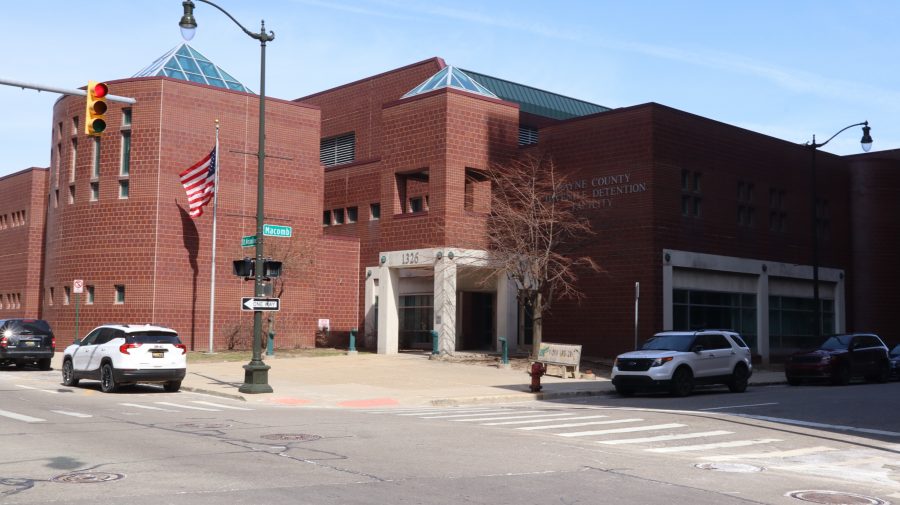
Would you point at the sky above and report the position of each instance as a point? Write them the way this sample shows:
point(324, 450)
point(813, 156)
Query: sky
point(786, 69)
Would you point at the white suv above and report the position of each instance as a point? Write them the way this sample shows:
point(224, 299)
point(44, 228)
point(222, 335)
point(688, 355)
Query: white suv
point(677, 360)
point(120, 354)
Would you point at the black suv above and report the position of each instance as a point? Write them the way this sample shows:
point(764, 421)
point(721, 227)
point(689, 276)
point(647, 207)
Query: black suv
point(24, 341)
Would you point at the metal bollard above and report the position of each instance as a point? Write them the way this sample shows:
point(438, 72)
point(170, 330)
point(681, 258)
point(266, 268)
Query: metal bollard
point(434, 342)
point(352, 349)
point(504, 348)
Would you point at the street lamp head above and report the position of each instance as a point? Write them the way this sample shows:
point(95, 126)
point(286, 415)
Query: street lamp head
point(188, 24)
point(866, 141)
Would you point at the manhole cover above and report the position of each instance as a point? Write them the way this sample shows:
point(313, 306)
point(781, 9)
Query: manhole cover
point(729, 467)
point(295, 437)
point(87, 477)
point(835, 498)
point(202, 426)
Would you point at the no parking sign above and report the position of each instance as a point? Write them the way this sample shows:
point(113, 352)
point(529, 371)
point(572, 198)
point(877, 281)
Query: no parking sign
point(78, 286)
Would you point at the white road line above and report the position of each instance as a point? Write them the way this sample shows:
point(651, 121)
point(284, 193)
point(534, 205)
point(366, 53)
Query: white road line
point(491, 412)
point(721, 445)
point(440, 412)
point(776, 454)
point(21, 417)
point(666, 438)
point(211, 404)
point(185, 406)
point(73, 414)
point(148, 407)
point(518, 417)
point(810, 424)
point(741, 406)
point(653, 427)
point(533, 421)
point(575, 425)
point(37, 389)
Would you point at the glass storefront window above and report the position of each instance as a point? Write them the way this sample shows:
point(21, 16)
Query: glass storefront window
point(416, 313)
point(700, 310)
point(792, 323)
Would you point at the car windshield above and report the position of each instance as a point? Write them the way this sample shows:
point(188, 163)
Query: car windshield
point(676, 342)
point(840, 342)
point(26, 327)
point(154, 337)
point(896, 350)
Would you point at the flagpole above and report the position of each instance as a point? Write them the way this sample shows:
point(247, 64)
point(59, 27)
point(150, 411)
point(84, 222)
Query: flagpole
point(212, 283)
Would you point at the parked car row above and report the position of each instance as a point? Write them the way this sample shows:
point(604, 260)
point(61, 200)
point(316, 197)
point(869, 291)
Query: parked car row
point(676, 361)
point(114, 354)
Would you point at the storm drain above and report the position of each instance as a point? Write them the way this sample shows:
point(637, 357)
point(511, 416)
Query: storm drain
point(87, 477)
point(729, 467)
point(291, 437)
point(835, 498)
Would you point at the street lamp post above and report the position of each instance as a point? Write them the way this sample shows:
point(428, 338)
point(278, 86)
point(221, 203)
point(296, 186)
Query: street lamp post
point(866, 143)
point(256, 373)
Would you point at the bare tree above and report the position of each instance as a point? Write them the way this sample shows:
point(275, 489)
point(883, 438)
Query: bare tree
point(532, 228)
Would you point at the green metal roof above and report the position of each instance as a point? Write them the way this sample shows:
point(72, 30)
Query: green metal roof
point(186, 63)
point(537, 101)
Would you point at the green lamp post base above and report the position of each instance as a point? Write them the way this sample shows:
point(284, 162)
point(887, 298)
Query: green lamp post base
point(256, 378)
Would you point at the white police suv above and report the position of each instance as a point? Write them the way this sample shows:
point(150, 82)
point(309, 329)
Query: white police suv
point(124, 354)
point(677, 360)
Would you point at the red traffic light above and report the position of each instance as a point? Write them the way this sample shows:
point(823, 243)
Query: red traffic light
point(100, 90)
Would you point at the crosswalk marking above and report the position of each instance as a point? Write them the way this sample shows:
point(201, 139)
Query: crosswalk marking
point(622, 430)
point(433, 412)
point(533, 421)
point(211, 404)
point(665, 438)
point(37, 389)
point(575, 425)
point(530, 416)
point(191, 407)
point(73, 414)
point(777, 454)
point(721, 445)
point(21, 417)
point(148, 407)
point(491, 412)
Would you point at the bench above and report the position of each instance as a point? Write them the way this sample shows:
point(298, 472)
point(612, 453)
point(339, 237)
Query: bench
point(561, 356)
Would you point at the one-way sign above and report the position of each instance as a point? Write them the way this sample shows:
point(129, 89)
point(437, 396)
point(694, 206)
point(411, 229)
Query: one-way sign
point(250, 303)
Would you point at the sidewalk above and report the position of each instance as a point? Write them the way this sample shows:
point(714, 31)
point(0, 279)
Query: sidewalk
point(370, 380)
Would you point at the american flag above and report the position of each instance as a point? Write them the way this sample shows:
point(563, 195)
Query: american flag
point(200, 183)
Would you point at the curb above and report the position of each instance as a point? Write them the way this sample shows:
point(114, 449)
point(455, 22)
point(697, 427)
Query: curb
point(214, 393)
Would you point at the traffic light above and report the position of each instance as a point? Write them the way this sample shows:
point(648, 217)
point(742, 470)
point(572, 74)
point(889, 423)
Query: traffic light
point(95, 108)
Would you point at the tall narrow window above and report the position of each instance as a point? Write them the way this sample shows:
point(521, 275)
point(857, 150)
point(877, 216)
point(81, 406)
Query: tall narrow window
point(338, 216)
point(126, 117)
point(326, 218)
point(745, 208)
point(71, 193)
point(374, 211)
point(89, 295)
point(125, 167)
point(691, 199)
point(50, 296)
point(74, 160)
point(67, 294)
point(75, 125)
point(95, 191)
point(95, 161)
point(352, 214)
point(120, 293)
point(123, 188)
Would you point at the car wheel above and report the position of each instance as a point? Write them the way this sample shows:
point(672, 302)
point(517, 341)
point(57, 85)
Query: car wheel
point(682, 382)
point(68, 374)
point(44, 364)
point(625, 391)
point(172, 386)
point(841, 376)
point(739, 379)
point(107, 380)
point(794, 381)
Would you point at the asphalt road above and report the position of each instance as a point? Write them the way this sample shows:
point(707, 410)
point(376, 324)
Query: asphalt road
point(145, 446)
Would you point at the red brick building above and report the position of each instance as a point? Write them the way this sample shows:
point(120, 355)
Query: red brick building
point(713, 221)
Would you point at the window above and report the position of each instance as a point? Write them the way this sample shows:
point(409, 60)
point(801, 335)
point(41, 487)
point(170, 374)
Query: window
point(416, 318)
point(698, 310)
point(120, 293)
point(338, 216)
point(74, 159)
point(338, 150)
point(823, 219)
point(527, 135)
point(74, 126)
point(691, 199)
point(72, 193)
point(792, 323)
point(352, 214)
point(415, 204)
point(326, 218)
point(67, 294)
point(95, 161)
point(55, 198)
point(777, 216)
point(746, 211)
point(123, 188)
point(374, 211)
point(126, 117)
point(89, 295)
point(50, 296)
point(95, 191)
point(125, 166)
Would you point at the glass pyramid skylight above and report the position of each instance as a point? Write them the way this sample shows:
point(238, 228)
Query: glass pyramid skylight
point(185, 63)
point(450, 77)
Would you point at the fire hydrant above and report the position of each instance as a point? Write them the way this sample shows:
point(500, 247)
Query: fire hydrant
point(537, 370)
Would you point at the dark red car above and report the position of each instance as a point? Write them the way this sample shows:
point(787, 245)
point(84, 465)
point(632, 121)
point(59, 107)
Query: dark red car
point(841, 358)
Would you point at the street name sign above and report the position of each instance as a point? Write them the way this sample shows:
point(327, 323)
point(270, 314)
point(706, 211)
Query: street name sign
point(269, 304)
point(275, 230)
point(248, 241)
